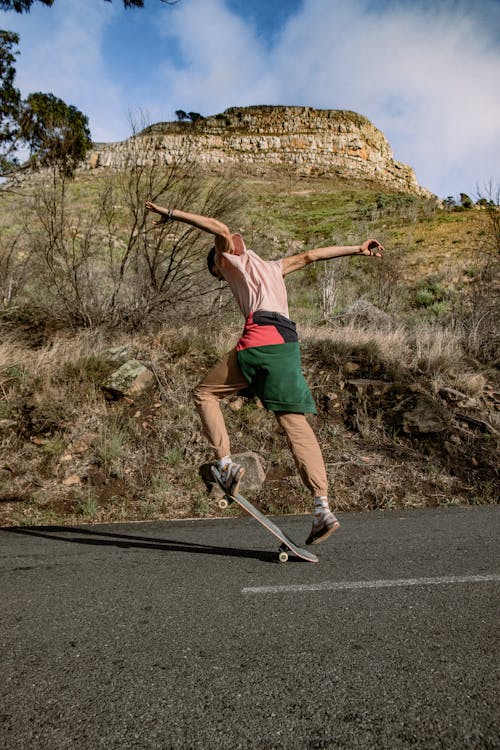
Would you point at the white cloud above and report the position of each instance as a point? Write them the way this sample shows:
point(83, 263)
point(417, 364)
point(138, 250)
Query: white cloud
point(221, 60)
point(425, 73)
point(426, 78)
point(62, 53)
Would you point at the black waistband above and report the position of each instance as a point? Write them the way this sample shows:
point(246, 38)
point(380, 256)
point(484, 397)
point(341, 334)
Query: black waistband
point(284, 325)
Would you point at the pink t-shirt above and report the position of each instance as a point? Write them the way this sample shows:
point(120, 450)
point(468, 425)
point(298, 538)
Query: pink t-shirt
point(256, 284)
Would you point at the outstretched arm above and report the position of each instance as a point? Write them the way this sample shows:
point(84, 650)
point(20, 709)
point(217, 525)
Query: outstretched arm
point(296, 262)
point(223, 239)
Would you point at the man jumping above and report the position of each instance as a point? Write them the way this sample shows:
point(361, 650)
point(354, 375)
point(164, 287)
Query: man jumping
point(266, 358)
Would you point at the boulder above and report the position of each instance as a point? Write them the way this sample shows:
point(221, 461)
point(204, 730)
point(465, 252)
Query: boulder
point(425, 416)
point(131, 379)
point(364, 313)
point(254, 473)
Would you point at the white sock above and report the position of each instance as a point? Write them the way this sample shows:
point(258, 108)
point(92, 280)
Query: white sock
point(223, 462)
point(321, 507)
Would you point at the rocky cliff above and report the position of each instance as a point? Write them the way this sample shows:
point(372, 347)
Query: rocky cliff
point(257, 140)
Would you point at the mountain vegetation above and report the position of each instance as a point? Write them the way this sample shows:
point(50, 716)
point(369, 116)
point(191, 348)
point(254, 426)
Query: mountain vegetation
point(401, 353)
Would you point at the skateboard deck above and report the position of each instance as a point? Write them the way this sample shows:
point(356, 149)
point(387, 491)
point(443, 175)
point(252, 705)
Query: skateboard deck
point(287, 544)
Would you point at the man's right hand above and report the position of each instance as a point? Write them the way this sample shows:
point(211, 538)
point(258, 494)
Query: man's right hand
point(164, 213)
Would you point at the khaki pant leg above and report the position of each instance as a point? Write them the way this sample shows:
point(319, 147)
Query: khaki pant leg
point(306, 451)
point(221, 381)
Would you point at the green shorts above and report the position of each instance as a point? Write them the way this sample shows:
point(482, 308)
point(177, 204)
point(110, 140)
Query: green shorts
point(274, 373)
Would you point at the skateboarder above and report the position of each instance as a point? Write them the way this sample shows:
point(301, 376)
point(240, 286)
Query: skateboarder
point(266, 357)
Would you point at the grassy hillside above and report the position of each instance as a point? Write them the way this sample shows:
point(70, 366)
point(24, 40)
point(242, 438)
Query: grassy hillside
point(407, 393)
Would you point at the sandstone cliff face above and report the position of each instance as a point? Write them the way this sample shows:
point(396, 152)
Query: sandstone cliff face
point(258, 140)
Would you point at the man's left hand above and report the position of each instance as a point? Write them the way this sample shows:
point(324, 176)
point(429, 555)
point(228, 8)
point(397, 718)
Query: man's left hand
point(372, 247)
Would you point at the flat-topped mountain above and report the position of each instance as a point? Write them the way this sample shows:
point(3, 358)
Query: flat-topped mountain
point(260, 139)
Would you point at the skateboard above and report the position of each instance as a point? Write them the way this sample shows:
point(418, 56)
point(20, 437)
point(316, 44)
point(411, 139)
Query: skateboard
point(287, 544)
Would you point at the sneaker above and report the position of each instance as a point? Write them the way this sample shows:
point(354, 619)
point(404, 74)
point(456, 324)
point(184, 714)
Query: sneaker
point(322, 529)
point(231, 476)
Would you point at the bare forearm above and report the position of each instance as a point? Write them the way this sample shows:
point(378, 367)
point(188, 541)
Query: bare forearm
point(296, 262)
point(205, 223)
point(337, 251)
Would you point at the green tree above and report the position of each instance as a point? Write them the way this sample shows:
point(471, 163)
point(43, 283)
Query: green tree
point(56, 133)
point(10, 98)
point(24, 6)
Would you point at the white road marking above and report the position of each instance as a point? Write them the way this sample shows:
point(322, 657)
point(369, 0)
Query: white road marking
point(381, 584)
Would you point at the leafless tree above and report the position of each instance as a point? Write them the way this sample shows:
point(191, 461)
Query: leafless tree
point(108, 264)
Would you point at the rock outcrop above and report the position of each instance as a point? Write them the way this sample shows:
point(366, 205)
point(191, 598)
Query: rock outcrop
point(131, 379)
point(300, 140)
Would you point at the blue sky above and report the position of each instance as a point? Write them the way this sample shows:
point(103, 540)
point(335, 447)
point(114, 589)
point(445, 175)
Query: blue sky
point(425, 72)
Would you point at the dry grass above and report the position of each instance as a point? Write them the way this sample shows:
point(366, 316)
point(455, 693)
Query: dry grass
point(431, 350)
point(70, 455)
point(391, 347)
point(437, 350)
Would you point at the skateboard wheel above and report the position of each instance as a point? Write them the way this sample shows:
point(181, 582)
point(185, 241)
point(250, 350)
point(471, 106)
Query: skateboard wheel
point(283, 556)
point(223, 503)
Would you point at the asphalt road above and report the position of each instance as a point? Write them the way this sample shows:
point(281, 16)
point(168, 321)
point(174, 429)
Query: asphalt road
point(190, 635)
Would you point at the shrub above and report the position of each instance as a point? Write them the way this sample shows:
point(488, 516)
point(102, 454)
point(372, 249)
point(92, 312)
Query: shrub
point(108, 264)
